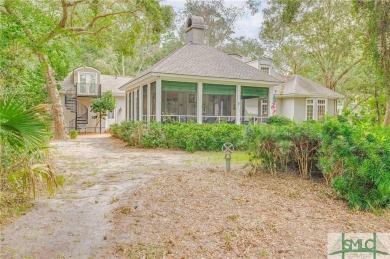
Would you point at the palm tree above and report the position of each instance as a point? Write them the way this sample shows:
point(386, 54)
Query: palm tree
point(24, 138)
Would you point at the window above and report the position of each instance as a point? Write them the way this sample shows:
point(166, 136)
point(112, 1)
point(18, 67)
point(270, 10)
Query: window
point(110, 115)
point(265, 69)
point(315, 109)
point(321, 109)
point(87, 84)
point(309, 109)
point(264, 107)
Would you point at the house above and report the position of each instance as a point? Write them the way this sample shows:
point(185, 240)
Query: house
point(301, 99)
point(77, 91)
point(198, 83)
point(201, 84)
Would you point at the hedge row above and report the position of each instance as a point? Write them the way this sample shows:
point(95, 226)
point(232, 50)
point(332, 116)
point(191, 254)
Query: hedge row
point(354, 159)
point(187, 136)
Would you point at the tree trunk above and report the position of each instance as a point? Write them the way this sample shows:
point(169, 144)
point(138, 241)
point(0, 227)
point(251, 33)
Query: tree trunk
point(123, 66)
point(55, 100)
point(378, 112)
point(386, 121)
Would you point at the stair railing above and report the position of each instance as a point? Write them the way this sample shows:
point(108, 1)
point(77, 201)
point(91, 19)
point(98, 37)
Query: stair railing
point(77, 107)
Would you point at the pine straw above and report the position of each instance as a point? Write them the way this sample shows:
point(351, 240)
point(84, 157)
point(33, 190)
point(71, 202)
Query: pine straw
point(205, 214)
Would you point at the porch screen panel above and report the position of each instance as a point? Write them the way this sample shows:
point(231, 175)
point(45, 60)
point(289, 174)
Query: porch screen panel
point(153, 101)
point(144, 101)
point(218, 89)
point(248, 92)
point(173, 86)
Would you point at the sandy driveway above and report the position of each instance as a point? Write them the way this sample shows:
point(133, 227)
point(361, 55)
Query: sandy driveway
point(76, 223)
point(130, 203)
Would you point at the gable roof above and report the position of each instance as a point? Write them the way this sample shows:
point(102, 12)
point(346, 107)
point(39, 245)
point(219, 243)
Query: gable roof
point(108, 83)
point(202, 60)
point(297, 85)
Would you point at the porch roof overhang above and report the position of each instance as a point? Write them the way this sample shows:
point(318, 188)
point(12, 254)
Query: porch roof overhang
point(151, 77)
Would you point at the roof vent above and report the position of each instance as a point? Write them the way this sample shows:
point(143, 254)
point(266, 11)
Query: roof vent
point(195, 29)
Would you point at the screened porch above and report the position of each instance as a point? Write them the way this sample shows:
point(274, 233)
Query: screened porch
point(169, 101)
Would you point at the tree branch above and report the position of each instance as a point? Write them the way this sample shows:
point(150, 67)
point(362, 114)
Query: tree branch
point(84, 32)
point(85, 29)
point(63, 21)
point(348, 69)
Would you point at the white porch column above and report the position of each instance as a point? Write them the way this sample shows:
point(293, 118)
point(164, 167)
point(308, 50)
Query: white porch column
point(271, 100)
point(238, 104)
point(141, 103)
point(149, 104)
point(158, 99)
point(131, 106)
point(199, 103)
point(126, 105)
point(135, 105)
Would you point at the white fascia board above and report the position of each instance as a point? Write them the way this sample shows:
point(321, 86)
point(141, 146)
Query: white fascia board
point(118, 94)
point(216, 80)
point(151, 77)
point(143, 80)
point(281, 96)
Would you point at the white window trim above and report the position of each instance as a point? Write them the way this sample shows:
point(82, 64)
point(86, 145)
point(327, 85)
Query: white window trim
point(263, 104)
point(326, 106)
point(87, 73)
point(315, 107)
point(267, 67)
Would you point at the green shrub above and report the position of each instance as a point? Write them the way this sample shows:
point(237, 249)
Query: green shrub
point(73, 134)
point(279, 120)
point(269, 147)
point(306, 141)
point(187, 136)
point(355, 159)
point(273, 147)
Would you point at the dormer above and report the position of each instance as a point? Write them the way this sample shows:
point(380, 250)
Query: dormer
point(87, 81)
point(265, 65)
point(262, 64)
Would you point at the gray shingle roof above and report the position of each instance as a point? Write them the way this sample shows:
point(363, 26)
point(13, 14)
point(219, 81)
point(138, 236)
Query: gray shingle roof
point(205, 61)
point(301, 86)
point(109, 83)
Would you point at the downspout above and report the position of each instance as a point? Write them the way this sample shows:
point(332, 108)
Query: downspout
point(100, 113)
point(126, 103)
point(76, 104)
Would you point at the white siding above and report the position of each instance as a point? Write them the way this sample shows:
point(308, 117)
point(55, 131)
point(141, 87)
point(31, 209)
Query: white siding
point(288, 108)
point(279, 107)
point(299, 109)
point(119, 112)
point(331, 107)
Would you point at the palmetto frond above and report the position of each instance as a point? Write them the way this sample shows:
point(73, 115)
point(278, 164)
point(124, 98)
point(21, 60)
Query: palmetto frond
point(20, 128)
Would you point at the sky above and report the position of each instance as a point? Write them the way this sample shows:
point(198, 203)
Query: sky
point(248, 25)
